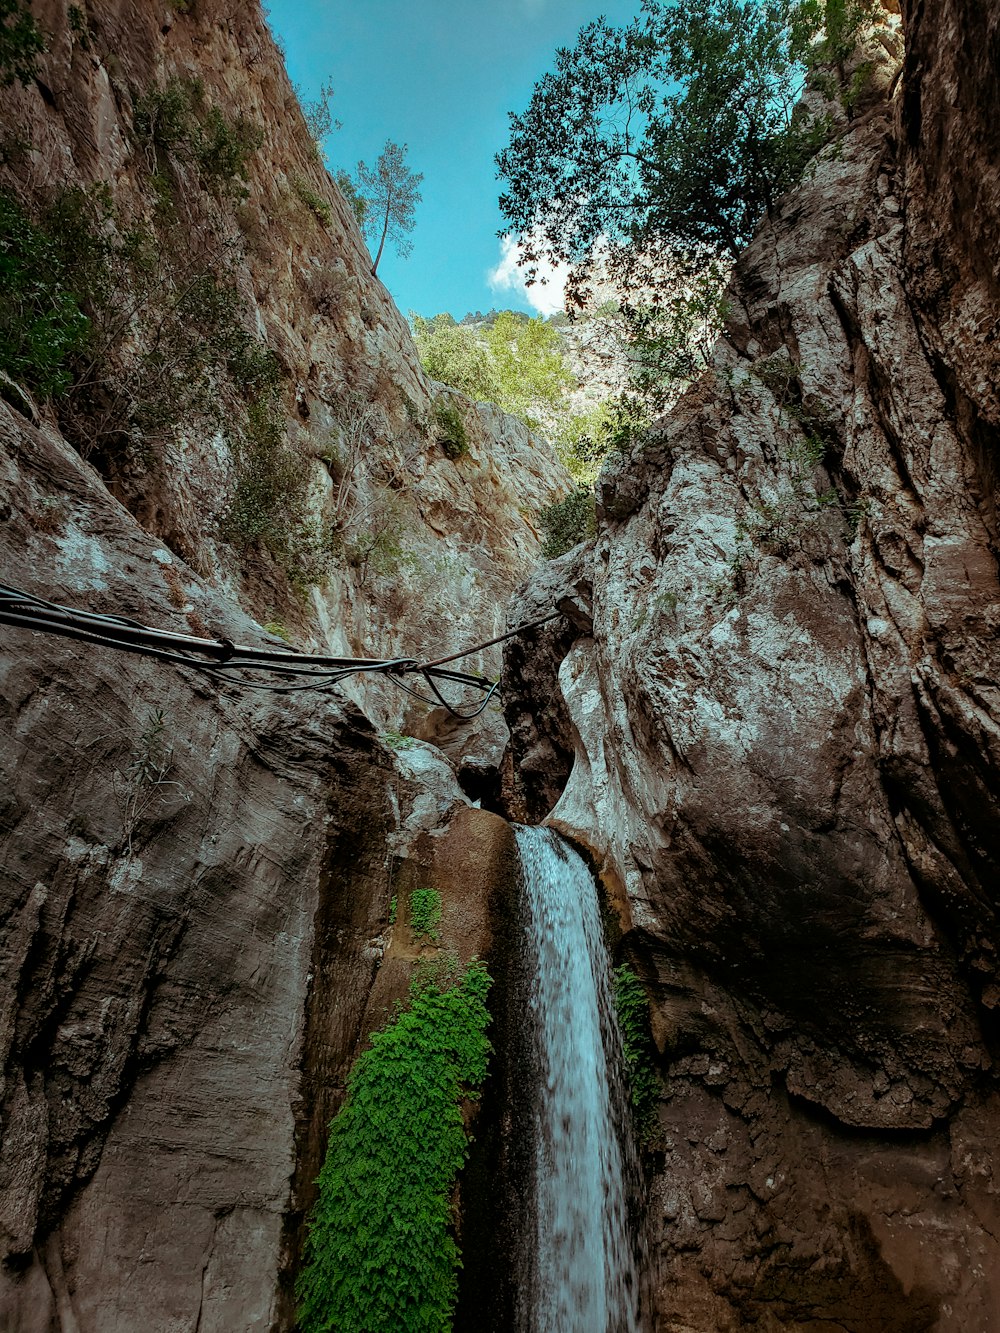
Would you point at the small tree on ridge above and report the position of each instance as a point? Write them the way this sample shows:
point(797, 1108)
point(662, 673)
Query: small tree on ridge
point(391, 193)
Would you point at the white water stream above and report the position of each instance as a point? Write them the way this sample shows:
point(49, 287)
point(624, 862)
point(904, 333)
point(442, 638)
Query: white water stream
point(582, 1276)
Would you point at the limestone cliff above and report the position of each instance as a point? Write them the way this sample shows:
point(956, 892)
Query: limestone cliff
point(782, 735)
point(196, 880)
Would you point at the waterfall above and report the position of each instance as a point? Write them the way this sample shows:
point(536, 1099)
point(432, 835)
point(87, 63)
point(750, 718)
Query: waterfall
point(577, 1270)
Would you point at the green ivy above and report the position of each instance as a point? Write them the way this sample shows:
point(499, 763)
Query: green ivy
point(425, 913)
point(637, 1045)
point(379, 1252)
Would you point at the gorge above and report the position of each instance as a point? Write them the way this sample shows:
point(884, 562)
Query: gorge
point(768, 723)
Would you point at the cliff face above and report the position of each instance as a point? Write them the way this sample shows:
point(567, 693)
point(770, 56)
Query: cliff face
point(785, 726)
point(197, 880)
point(413, 549)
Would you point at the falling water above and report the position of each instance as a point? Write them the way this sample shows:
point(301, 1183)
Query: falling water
point(579, 1271)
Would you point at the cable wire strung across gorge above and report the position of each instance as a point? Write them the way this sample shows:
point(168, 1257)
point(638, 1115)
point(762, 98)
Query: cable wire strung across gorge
point(224, 660)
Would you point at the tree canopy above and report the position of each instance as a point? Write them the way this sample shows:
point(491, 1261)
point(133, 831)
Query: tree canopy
point(390, 194)
point(678, 130)
point(512, 360)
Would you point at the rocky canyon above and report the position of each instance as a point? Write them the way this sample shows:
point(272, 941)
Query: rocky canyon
point(766, 709)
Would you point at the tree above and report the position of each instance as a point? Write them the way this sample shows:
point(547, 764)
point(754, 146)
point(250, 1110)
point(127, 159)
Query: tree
point(21, 42)
point(513, 361)
point(391, 194)
point(679, 129)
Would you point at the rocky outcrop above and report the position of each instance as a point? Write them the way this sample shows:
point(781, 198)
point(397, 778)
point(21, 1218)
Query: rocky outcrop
point(408, 549)
point(197, 889)
point(785, 724)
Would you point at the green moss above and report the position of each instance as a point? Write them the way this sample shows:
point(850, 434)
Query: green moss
point(379, 1252)
point(637, 1045)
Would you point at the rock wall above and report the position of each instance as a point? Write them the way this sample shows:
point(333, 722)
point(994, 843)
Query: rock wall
point(425, 548)
point(191, 952)
point(785, 725)
point(196, 880)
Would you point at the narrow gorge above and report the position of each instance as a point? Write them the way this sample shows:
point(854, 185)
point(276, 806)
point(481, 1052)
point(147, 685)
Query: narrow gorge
point(752, 734)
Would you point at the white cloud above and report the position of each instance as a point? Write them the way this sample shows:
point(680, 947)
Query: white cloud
point(546, 295)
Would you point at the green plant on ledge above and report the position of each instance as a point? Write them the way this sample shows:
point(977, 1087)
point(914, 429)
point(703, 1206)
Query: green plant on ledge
point(379, 1251)
point(425, 913)
point(451, 433)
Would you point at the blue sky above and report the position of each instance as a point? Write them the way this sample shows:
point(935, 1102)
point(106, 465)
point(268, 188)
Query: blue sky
point(440, 76)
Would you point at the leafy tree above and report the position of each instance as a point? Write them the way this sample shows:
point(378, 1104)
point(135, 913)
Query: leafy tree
point(391, 193)
point(677, 128)
point(568, 522)
point(319, 118)
point(457, 356)
point(651, 152)
point(513, 361)
point(21, 42)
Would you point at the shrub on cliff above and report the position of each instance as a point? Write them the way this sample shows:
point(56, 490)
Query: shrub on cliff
point(41, 322)
point(21, 43)
point(568, 522)
point(379, 1252)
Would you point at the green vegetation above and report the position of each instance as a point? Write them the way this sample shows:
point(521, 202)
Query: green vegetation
point(681, 128)
point(584, 440)
point(652, 151)
point(425, 913)
point(145, 779)
point(317, 205)
point(21, 43)
point(513, 361)
point(390, 192)
point(637, 1046)
point(318, 116)
point(41, 323)
point(351, 193)
point(826, 35)
point(395, 740)
point(269, 508)
point(568, 522)
point(129, 346)
point(379, 1252)
point(450, 425)
point(177, 122)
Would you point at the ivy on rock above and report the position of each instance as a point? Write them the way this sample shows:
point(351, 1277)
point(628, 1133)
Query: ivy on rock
point(380, 1252)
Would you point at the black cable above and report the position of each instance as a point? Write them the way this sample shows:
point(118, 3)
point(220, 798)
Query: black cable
point(309, 671)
